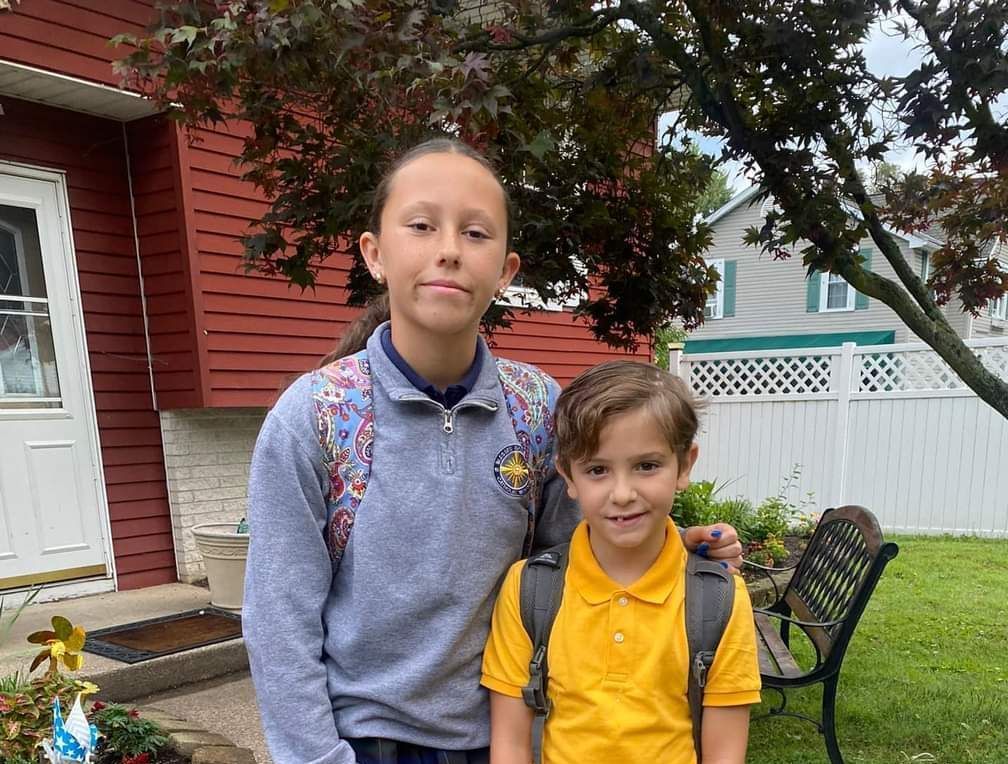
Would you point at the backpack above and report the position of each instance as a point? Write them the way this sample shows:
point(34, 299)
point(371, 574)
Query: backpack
point(344, 409)
point(710, 596)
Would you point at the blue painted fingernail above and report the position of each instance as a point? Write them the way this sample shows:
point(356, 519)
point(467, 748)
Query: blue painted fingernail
point(702, 549)
point(716, 534)
point(724, 565)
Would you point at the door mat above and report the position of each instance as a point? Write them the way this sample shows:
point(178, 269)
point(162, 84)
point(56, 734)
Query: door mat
point(143, 640)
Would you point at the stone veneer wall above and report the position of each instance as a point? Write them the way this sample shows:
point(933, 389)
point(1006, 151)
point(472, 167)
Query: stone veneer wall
point(207, 456)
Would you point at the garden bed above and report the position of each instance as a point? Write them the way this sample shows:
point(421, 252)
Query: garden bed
point(795, 547)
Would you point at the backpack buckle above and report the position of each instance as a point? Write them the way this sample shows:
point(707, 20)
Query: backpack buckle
point(534, 693)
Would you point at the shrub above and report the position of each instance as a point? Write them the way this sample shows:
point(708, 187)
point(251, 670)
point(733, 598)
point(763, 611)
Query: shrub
point(805, 524)
point(27, 715)
point(776, 516)
point(768, 552)
point(694, 506)
point(773, 517)
point(699, 505)
point(125, 734)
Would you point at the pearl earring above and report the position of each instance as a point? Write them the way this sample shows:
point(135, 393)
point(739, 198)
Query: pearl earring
point(379, 278)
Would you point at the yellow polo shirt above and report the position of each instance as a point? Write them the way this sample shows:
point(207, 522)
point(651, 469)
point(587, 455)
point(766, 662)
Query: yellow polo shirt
point(618, 660)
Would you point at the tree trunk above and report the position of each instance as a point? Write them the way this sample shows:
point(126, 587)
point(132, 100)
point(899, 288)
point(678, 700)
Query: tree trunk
point(945, 342)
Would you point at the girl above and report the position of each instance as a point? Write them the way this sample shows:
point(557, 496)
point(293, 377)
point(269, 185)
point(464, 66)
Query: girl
point(366, 646)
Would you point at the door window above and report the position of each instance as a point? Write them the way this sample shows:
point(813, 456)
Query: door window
point(28, 377)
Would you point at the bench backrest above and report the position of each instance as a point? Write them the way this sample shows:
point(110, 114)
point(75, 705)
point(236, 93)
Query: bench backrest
point(836, 576)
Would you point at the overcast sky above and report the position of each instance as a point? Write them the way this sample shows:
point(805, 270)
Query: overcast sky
point(887, 53)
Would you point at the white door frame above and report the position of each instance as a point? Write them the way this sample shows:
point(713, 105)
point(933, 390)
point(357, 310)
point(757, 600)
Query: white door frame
point(109, 582)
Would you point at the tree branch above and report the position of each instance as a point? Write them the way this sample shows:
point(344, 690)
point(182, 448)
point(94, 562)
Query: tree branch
point(587, 26)
point(836, 146)
point(991, 137)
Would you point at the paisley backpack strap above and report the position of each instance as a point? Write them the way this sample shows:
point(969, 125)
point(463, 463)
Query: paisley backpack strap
point(530, 395)
point(344, 409)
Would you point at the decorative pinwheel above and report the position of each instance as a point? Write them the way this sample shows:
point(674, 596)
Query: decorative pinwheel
point(74, 740)
point(64, 645)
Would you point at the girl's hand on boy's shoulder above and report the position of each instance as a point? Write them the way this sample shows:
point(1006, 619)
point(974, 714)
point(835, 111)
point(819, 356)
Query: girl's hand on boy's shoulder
point(718, 542)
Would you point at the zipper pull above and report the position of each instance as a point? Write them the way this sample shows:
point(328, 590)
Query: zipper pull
point(449, 426)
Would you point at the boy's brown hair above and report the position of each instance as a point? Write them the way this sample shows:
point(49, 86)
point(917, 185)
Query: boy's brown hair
point(591, 401)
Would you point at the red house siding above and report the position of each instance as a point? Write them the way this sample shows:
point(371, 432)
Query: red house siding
point(91, 152)
point(159, 198)
point(219, 336)
point(259, 330)
point(71, 36)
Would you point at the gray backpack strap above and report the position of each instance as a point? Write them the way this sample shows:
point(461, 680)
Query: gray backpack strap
point(710, 596)
point(541, 589)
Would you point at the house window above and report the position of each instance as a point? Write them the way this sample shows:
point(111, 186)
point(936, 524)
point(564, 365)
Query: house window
point(715, 303)
point(836, 294)
point(999, 308)
point(517, 295)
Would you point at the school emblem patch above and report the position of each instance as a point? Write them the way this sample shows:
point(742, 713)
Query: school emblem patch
point(512, 471)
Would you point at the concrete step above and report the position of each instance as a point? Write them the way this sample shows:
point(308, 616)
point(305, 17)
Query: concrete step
point(122, 681)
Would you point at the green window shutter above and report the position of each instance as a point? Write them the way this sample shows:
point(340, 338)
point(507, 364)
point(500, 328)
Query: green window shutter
point(728, 307)
point(812, 295)
point(861, 300)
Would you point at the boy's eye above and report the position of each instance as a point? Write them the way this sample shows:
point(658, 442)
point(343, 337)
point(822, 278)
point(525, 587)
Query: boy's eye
point(649, 466)
point(419, 225)
point(595, 470)
point(476, 234)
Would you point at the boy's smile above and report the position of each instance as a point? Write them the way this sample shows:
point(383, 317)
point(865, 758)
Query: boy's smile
point(626, 489)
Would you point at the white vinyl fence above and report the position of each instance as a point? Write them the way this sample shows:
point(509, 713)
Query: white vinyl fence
point(890, 427)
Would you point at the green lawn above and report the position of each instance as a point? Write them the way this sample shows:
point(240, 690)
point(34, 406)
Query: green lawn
point(925, 678)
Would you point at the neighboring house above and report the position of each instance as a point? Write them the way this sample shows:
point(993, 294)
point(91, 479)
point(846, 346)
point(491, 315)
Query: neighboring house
point(762, 303)
point(137, 358)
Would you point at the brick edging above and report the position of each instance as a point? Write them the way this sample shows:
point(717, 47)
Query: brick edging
point(191, 740)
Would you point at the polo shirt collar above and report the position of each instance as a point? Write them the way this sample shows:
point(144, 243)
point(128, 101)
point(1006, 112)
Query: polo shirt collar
point(454, 393)
point(659, 581)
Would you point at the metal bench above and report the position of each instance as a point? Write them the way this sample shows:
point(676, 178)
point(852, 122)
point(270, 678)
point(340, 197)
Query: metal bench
point(824, 598)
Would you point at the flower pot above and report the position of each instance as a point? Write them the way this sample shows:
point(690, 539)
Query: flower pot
point(224, 551)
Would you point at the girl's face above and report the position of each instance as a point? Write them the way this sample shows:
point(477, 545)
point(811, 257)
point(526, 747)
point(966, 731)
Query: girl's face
point(442, 246)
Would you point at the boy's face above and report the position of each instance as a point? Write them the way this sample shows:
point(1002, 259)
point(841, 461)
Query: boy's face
point(626, 489)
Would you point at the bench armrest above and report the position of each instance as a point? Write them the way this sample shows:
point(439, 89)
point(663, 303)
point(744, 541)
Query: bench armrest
point(752, 564)
point(768, 572)
point(796, 622)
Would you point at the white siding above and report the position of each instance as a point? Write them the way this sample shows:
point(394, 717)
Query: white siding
point(983, 325)
point(770, 295)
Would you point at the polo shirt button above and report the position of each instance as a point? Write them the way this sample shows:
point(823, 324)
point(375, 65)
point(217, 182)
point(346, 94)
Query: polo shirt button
point(618, 636)
point(623, 601)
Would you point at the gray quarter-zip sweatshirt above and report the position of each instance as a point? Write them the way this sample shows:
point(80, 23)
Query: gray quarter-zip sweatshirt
point(390, 644)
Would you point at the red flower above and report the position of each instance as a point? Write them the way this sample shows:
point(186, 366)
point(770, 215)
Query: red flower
point(134, 714)
point(97, 706)
point(140, 758)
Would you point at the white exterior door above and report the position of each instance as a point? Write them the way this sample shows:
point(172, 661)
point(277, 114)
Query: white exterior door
point(53, 525)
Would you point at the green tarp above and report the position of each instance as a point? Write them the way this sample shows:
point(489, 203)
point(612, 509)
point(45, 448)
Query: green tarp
point(788, 341)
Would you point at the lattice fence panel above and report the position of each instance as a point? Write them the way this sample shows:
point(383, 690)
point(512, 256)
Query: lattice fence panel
point(773, 375)
point(920, 370)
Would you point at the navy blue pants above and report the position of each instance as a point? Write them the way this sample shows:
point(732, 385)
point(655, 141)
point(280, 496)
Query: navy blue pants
point(373, 750)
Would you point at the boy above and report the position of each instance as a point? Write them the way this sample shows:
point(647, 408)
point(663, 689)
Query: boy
point(617, 656)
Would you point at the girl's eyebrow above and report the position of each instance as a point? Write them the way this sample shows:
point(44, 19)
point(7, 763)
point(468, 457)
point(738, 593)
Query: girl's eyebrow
point(415, 207)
